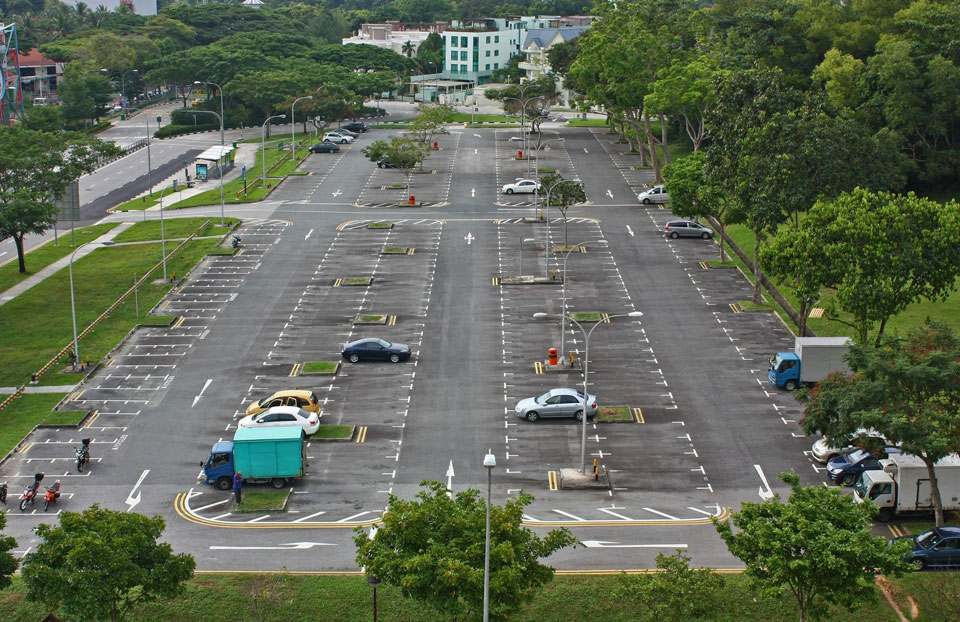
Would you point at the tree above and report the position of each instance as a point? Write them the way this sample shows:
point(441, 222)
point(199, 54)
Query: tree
point(796, 258)
point(562, 194)
point(429, 122)
point(402, 152)
point(817, 546)
point(35, 170)
point(83, 92)
point(686, 89)
point(8, 563)
point(432, 549)
point(98, 564)
point(43, 118)
point(678, 593)
point(906, 389)
point(430, 52)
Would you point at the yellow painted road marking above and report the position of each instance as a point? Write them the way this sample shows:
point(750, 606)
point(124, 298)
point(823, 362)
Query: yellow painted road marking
point(538, 367)
point(583, 249)
point(553, 481)
point(817, 312)
point(897, 530)
point(337, 282)
point(177, 322)
point(638, 415)
point(736, 308)
point(497, 221)
point(240, 252)
point(392, 320)
point(110, 362)
point(704, 265)
point(411, 251)
point(295, 370)
point(26, 448)
point(361, 434)
point(94, 417)
point(605, 318)
point(496, 280)
point(75, 396)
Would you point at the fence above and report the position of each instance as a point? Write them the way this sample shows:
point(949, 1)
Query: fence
point(16, 394)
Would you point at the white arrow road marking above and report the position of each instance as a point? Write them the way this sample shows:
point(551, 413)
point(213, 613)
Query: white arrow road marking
point(131, 500)
point(473, 192)
point(450, 480)
point(477, 135)
point(309, 233)
point(630, 231)
point(290, 546)
point(474, 152)
point(199, 395)
point(469, 238)
point(602, 544)
point(337, 193)
point(609, 194)
point(3, 253)
point(585, 150)
point(764, 494)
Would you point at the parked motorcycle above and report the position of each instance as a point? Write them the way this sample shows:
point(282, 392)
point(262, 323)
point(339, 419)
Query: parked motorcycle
point(30, 493)
point(3, 492)
point(53, 493)
point(83, 454)
point(236, 241)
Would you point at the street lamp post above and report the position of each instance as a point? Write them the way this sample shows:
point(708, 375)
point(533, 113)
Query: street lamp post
point(73, 305)
point(219, 165)
point(563, 293)
point(293, 125)
point(163, 239)
point(524, 102)
point(220, 90)
point(123, 84)
point(586, 360)
point(374, 581)
point(546, 251)
point(263, 144)
point(489, 461)
point(536, 172)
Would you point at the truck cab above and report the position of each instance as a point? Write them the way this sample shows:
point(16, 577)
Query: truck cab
point(879, 487)
point(219, 468)
point(785, 370)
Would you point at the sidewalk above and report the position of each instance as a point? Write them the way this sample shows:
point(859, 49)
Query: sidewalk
point(63, 388)
point(60, 264)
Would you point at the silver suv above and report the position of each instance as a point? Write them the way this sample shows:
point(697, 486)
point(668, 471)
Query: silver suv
point(687, 229)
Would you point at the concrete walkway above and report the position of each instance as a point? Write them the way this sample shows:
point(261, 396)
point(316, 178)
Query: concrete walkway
point(63, 388)
point(62, 263)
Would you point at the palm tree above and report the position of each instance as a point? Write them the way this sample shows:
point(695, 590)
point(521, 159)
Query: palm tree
point(408, 48)
point(99, 15)
point(83, 14)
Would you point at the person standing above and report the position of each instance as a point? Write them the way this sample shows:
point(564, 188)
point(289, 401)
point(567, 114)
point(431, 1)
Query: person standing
point(237, 485)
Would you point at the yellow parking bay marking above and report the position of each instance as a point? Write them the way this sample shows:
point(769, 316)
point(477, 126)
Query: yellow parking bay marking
point(736, 308)
point(553, 480)
point(538, 367)
point(392, 320)
point(239, 252)
point(897, 531)
point(337, 282)
point(110, 362)
point(75, 396)
point(361, 434)
point(605, 318)
point(704, 265)
point(295, 370)
point(177, 322)
point(93, 417)
point(496, 280)
point(638, 415)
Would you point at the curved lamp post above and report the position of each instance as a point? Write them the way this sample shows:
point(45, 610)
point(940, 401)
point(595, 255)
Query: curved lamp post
point(163, 239)
point(219, 165)
point(263, 144)
point(293, 125)
point(546, 251)
point(123, 85)
point(198, 82)
point(536, 171)
point(563, 290)
point(524, 101)
point(73, 304)
point(489, 462)
point(586, 359)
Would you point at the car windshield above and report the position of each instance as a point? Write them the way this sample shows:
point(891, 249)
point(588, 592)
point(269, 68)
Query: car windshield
point(264, 401)
point(384, 344)
point(928, 539)
point(775, 363)
point(543, 398)
point(856, 456)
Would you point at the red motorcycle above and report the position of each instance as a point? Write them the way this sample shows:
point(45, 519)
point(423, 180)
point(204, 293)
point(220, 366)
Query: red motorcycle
point(53, 493)
point(31, 492)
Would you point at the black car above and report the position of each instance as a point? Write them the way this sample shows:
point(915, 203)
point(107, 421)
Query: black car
point(385, 162)
point(325, 148)
point(373, 349)
point(845, 468)
point(356, 126)
point(935, 548)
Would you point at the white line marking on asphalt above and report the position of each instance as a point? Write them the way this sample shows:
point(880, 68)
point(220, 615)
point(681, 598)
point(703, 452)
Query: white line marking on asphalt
point(603, 544)
point(343, 520)
point(630, 231)
point(309, 233)
point(568, 515)
point(291, 546)
point(300, 520)
point(612, 513)
point(210, 505)
point(764, 494)
point(131, 500)
point(651, 510)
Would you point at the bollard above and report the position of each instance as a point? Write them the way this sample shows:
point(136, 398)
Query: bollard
point(435, 145)
point(554, 274)
point(413, 200)
point(596, 471)
point(573, 361)
point(519, 154)
point(552, 356)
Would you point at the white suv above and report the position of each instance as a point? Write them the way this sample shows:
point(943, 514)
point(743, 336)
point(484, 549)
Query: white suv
point(823, 450)
point(657, 194)
point(337, 137)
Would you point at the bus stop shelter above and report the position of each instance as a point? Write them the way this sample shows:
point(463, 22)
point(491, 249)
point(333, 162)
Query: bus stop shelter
point(214, 162)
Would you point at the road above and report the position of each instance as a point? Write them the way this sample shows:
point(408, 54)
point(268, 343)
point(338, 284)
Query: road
point(703, 431)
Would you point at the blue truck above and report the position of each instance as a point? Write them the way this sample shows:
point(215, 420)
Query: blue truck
point(262, 455)
point(812, 360)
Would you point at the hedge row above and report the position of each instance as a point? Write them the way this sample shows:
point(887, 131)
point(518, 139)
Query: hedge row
point(176, 130)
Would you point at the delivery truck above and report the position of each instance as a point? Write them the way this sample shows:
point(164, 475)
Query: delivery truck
point(903, 486)
point(262, 455)
point(812, 360)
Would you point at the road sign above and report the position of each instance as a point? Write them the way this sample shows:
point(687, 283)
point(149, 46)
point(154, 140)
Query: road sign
point(68, 205)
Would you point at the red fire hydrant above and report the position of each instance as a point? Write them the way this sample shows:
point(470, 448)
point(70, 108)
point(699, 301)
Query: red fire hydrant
point(413, 200)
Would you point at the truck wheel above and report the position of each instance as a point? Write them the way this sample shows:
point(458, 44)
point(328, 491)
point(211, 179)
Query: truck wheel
point(918, 563)
point(224, 483)
point(278, 482)
point(885, 515)
point(790, 385)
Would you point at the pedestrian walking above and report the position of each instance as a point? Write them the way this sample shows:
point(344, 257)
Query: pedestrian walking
point(237, 485)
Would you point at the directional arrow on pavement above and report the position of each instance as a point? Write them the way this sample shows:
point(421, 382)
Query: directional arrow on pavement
point(602, 544)
point(132, 500)
point(450, 480)
point(290, 546)
point(764, 494)
point(477, 135)
point(199, 395)
point(469, 238)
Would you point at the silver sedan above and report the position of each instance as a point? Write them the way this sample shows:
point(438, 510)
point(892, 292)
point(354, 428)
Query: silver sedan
point(556, 403)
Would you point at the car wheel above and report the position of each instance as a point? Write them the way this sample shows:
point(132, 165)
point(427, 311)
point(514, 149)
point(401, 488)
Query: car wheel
point(579, 415)
point(533, 416)
point(379, 165)
point(848, 479)
point(278, 482)
point(790, 385)
point(918, 563)
point(705, 236)
point(509, 190)
point(394, 358)
point(224, 483)
point(646, 201)
point(354, 358)
point(674, 235)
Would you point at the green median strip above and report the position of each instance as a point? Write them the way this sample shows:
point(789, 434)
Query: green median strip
point(333, 431)
point(614, 413)
point(174, 228)
point(28, 410)
point(262, 501)
point(49, 252)
point(320, 367)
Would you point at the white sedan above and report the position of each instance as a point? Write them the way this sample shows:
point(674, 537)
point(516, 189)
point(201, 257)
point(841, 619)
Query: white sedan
point(337, 137)
point(520, 186)
point(283, 416)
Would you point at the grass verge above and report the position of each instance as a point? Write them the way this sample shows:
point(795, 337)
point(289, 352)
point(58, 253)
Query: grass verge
point(47, 253)
point(614, 413)
point(586, 316)
point(174, 228)
point(320, 367)
point(333, 431)
point(40, 318)
point(380, 225)
point(233, 190)
point(263, 501)
point(28, 410)
point(395, 250)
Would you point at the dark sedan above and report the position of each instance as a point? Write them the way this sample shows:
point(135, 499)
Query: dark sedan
point(935, 548)
point(325, 148)
point(356, 127)
point(373, 349)
point(845, 468)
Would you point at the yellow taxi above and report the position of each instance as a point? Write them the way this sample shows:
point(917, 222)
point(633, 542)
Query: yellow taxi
point(307, 400)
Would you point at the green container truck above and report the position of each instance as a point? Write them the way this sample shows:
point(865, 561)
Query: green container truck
point(274, 455)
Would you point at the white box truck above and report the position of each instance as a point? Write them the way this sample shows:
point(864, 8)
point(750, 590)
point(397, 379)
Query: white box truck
point(812, 360)
point(903, 486)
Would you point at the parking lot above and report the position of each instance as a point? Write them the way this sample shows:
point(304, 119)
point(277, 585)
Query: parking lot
point(429, 183)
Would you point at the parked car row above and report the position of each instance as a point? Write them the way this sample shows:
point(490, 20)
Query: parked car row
point(344, 134)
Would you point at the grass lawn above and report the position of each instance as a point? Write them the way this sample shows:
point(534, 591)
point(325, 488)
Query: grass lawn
point(28, 410)
point(614, 413)
point(333, 431)
point(174, 228)
point(395, 250)
point(47, 253)
point(40, 319)
point(320, 367)
point(586, 316)
point(380, 225)
point(282, 597)
point(263, 501)
point(148, 201)
point(587, 122)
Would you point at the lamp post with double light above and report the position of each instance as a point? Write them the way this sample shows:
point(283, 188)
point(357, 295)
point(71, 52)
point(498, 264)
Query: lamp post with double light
point(546, 251)
point(586, 360)
point(219, 164)
point(163, 238)
point(489, 462)
point(263, 144)
point(220, 90)
point(563, 292)
point(536, 170)
point(123, 84)
point(293, 125)
point(73, 305)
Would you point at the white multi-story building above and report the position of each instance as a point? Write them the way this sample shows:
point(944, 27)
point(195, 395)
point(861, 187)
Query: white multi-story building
point(395, 36)
point(536, 44)
point(473, 50)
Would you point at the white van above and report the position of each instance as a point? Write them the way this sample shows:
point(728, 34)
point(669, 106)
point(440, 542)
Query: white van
point(657, 194)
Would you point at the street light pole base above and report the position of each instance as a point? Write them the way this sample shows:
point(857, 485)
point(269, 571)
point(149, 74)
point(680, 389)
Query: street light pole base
point(573, 479)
